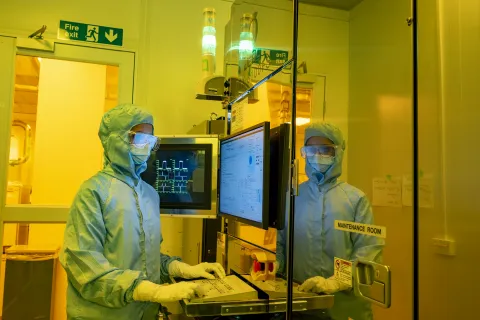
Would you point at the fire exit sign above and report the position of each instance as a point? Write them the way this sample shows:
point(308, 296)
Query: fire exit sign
point(270, 57)
point(93, 33)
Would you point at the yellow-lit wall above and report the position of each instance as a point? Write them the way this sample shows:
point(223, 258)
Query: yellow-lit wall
point(28, 16)
point(380, 129)
point(449, 74)
point(174, 62)
point(323, 39)
point(380, 140)
point(170, 70)
point(67, 147)
point(379, 114)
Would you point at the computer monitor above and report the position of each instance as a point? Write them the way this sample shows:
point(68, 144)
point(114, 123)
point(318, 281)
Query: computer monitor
point(279, 174)
point(181, 172)
point(245, 175)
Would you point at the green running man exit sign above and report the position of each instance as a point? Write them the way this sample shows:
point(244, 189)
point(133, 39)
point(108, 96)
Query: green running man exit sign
point(93, 33)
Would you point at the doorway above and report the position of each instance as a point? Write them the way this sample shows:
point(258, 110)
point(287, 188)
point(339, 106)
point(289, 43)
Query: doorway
point(57, 107)
point(51, 141)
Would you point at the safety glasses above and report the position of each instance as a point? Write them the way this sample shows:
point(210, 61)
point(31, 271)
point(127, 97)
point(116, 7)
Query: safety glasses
point(141, 140)
point(323, 149)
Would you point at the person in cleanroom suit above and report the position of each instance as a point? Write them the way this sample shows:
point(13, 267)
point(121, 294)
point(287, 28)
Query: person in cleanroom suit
point(111, 251)
point(322, 200)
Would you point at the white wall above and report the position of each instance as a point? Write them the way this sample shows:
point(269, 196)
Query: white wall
point(380, 128)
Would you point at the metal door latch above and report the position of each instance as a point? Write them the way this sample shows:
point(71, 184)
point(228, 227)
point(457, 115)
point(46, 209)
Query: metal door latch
point(372, 282)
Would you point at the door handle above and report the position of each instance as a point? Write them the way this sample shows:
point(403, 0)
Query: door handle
point(27, 143)
point(372, 282)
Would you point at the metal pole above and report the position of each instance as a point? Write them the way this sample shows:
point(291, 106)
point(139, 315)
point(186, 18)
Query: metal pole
point(291, 219)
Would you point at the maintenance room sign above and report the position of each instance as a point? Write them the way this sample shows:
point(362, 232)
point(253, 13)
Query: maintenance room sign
point(368, 229)
point(77, 31)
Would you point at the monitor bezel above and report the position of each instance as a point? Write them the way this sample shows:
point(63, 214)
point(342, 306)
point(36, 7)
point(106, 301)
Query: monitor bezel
point(266, 177)
point(278, 207)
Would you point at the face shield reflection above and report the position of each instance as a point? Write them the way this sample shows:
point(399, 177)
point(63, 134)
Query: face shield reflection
point(324, 150)
point(141, 140)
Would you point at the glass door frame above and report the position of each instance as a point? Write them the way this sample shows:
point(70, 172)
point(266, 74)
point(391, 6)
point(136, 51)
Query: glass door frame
point(412, 21)
point(125, 60)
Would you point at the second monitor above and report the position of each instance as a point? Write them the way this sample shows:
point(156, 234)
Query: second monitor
point(255, 175)
point(245, 176)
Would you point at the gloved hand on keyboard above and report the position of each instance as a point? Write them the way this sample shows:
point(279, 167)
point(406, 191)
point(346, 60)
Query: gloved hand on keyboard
point(322, 285)
point(150, 292)
point(202, 270)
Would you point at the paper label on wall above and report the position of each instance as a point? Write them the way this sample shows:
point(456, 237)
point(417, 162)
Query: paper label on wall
point(387, 192)
point(343, 271)
point(238, 113)
point(368, 229)
point(425, 191)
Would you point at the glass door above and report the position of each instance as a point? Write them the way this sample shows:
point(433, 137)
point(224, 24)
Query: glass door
point(51, 105)
point(353, 222)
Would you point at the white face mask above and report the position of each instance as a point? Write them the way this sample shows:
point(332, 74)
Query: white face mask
point(140, 155)
point(321, 162)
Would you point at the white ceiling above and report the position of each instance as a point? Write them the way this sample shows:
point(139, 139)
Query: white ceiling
point(337, 4)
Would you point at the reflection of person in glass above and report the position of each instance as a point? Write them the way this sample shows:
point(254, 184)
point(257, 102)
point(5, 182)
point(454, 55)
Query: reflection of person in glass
point(322, 200)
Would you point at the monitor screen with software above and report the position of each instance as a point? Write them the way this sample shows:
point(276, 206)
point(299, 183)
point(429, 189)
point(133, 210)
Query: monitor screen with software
point(181, 174)
point(244, 175)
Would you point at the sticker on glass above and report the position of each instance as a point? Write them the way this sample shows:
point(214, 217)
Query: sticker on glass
point(343, 271)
